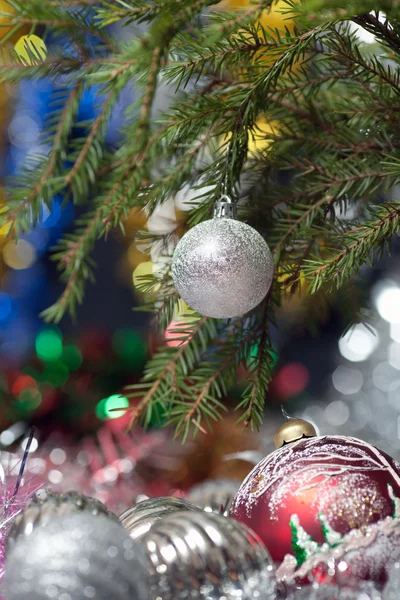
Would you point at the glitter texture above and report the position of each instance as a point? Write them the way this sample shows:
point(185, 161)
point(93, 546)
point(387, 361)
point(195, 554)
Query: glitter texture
point(203, 555)
point(77, 557)
point(342, 478)
point(361, 554)
point(47, 505)
point(222, 268)
point(365, 591)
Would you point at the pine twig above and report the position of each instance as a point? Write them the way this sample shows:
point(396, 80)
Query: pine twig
point(138, 410)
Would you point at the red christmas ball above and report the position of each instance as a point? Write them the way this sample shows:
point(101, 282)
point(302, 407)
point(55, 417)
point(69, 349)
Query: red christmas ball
point(307, 495)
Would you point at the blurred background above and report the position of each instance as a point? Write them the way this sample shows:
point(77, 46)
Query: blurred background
point(66, 380)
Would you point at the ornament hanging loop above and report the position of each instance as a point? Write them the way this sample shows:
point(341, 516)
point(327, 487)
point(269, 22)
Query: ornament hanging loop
point(225, 208)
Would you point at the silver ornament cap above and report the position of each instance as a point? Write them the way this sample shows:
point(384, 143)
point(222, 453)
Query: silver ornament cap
point(222, 267)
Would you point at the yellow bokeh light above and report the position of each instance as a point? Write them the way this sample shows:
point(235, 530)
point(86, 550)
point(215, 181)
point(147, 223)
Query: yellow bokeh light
point(19, 255)
point(4, 20)
point(31, 49)
point(145, 268)
point(135, 256)
point(182, 310)
point(273, 17)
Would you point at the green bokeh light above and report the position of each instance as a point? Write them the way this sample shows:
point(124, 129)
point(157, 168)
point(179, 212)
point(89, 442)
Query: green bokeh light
point(254, 354)
point(130, 346)
point(72, 357)
point(105, 408)
point(29, 399)
point(49, 344)
point(56, 373)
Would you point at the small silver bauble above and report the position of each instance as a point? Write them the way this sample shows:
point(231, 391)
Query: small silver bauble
point(222, 267)
point(214, 496)
point(46, 505)
point(77, 557)
point(205, 556)
point(138, 519)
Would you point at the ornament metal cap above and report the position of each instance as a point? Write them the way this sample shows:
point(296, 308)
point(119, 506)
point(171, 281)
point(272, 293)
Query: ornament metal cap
point(225, 208)
point(293, 430)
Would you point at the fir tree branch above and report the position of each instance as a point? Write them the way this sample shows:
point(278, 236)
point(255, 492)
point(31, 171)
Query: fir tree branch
point(97, 123)
point(138, 410)
point(374, 235)
point(314, 208)
point(260, 376)
point(62, 131)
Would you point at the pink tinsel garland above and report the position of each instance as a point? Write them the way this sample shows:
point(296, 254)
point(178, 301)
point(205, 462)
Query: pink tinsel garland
point(15, 493)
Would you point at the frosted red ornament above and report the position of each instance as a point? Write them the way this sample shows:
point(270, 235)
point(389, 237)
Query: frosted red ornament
point(307, 495)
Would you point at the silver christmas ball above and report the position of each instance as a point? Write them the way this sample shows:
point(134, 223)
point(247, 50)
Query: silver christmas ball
point(392, 588)
point(222, 268)
point(205, 556)
point(141, 517)
point(364, 591)
point(214, 496)
point(77, 557)
point(46, 505)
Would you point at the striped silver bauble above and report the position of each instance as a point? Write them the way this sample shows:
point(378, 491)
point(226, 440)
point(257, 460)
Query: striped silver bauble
point(205, 556)
point(141, 517)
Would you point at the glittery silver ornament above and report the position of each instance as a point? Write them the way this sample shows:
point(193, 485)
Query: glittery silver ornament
point(365, 591)
point(47, 505)
point(392, 588)
point(214, 496)
point(205, 556)
point(222, 267)
point(138, 519)
point(77, 557)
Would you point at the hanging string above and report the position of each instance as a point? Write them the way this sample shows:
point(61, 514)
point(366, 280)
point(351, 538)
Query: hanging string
point(225, 185)
point(286, 415)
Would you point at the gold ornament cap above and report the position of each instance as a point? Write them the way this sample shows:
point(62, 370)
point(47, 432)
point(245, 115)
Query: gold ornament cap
point(293, 430)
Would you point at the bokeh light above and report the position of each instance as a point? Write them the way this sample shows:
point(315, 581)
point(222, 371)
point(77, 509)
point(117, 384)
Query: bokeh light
point(347, 381)
point(106, 408)
point(130, 346)
point(72, 357)
point(358, 343)
point(56, 373)
point(175, 333)
point(28, 399)
point(145, 268)
point(49, 344)
point(5, 306)
point(291, 380)
point(23, 382)
point(388, 303)
point(33, 447)
point(19, 255)
point(337, 413)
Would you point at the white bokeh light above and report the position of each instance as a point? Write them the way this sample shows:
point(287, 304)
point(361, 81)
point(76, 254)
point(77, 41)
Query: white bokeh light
point(337, 413)
point(362, 34)
point(358, 343)
point(347, 381)
point(388, 303)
